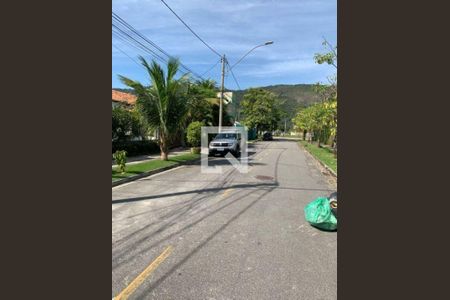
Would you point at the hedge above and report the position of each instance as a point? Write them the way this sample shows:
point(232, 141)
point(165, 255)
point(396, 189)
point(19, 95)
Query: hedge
point(136, 147)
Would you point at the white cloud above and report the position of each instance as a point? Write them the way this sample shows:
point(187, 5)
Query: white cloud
point(233, 27)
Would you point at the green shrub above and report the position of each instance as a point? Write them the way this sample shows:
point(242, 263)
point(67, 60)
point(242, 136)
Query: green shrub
point(194, 134)
point(134, 148)
point(121, 159)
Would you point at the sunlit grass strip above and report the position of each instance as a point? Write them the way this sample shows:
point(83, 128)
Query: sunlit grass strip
point(139, 168)
point(325, 155)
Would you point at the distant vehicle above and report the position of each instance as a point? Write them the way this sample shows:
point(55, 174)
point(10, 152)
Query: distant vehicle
point(225, 142)
point(267, 136)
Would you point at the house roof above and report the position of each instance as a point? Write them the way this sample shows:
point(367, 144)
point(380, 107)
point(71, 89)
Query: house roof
point(122, 97)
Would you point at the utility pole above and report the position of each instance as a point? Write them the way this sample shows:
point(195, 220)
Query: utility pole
point(221, 92)
point(224, 61)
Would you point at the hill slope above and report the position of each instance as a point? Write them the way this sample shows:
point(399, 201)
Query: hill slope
point(301, 94)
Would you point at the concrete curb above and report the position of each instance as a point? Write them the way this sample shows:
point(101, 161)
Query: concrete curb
point(321, 163)
point(152, 172)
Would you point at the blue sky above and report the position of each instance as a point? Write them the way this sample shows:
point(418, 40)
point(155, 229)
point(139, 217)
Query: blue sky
point(233, 27)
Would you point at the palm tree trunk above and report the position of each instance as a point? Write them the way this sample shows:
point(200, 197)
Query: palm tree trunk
point(164, 155)
point(182, 138)
point(164, 147)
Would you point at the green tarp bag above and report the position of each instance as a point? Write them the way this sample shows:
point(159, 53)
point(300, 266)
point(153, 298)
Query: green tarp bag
point(318, 213)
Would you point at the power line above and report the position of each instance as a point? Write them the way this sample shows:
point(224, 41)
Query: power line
point(132, 39)
point(118, 48)
point(211, 68)
point(137, 47)
point(130, 44)
point(190, 29)
point(131, 28)
point(232, 74)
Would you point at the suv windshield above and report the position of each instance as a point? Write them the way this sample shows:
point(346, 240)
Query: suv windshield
point(226, 136)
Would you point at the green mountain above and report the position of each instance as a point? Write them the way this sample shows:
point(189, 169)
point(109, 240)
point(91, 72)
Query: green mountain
point(296, 95)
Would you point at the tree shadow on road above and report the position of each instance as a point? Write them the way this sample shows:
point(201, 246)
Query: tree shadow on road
point(223, 161)
point(197, 191)
point(179, 212)
point(186, 210)
point(181, 209)
point(202, 244)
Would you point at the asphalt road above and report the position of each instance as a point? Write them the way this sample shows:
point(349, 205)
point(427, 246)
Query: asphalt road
point(229, 235)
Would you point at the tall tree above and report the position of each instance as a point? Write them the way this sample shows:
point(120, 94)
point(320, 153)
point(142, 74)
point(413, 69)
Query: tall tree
point(329, 92)
point(164, 103)
point(329, 57)
point(320, 119)
point(261, 109)
point(201, 94)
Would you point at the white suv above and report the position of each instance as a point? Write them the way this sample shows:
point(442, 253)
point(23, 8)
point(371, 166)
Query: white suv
point(224, 143)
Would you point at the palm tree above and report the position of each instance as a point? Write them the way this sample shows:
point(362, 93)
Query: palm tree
point(164, 103)
point(208, 84)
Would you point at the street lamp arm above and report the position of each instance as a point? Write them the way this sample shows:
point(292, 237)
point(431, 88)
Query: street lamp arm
point(265, 44)
point(224, 61)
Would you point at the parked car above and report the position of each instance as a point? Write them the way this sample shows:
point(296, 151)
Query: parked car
point(267, 136)
point(225, 142)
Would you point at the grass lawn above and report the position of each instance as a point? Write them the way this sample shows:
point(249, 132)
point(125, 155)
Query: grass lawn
point(325, 155)
point(139, 168)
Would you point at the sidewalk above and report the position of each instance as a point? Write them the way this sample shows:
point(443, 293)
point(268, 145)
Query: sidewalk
point(143, 158)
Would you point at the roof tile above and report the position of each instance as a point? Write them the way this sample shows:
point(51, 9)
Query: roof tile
point(123, 97)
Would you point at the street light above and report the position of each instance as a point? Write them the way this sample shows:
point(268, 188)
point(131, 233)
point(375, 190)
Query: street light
point(265, 44)
point(223, 59)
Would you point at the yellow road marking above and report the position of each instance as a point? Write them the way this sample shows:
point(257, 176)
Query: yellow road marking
point(141, 277)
